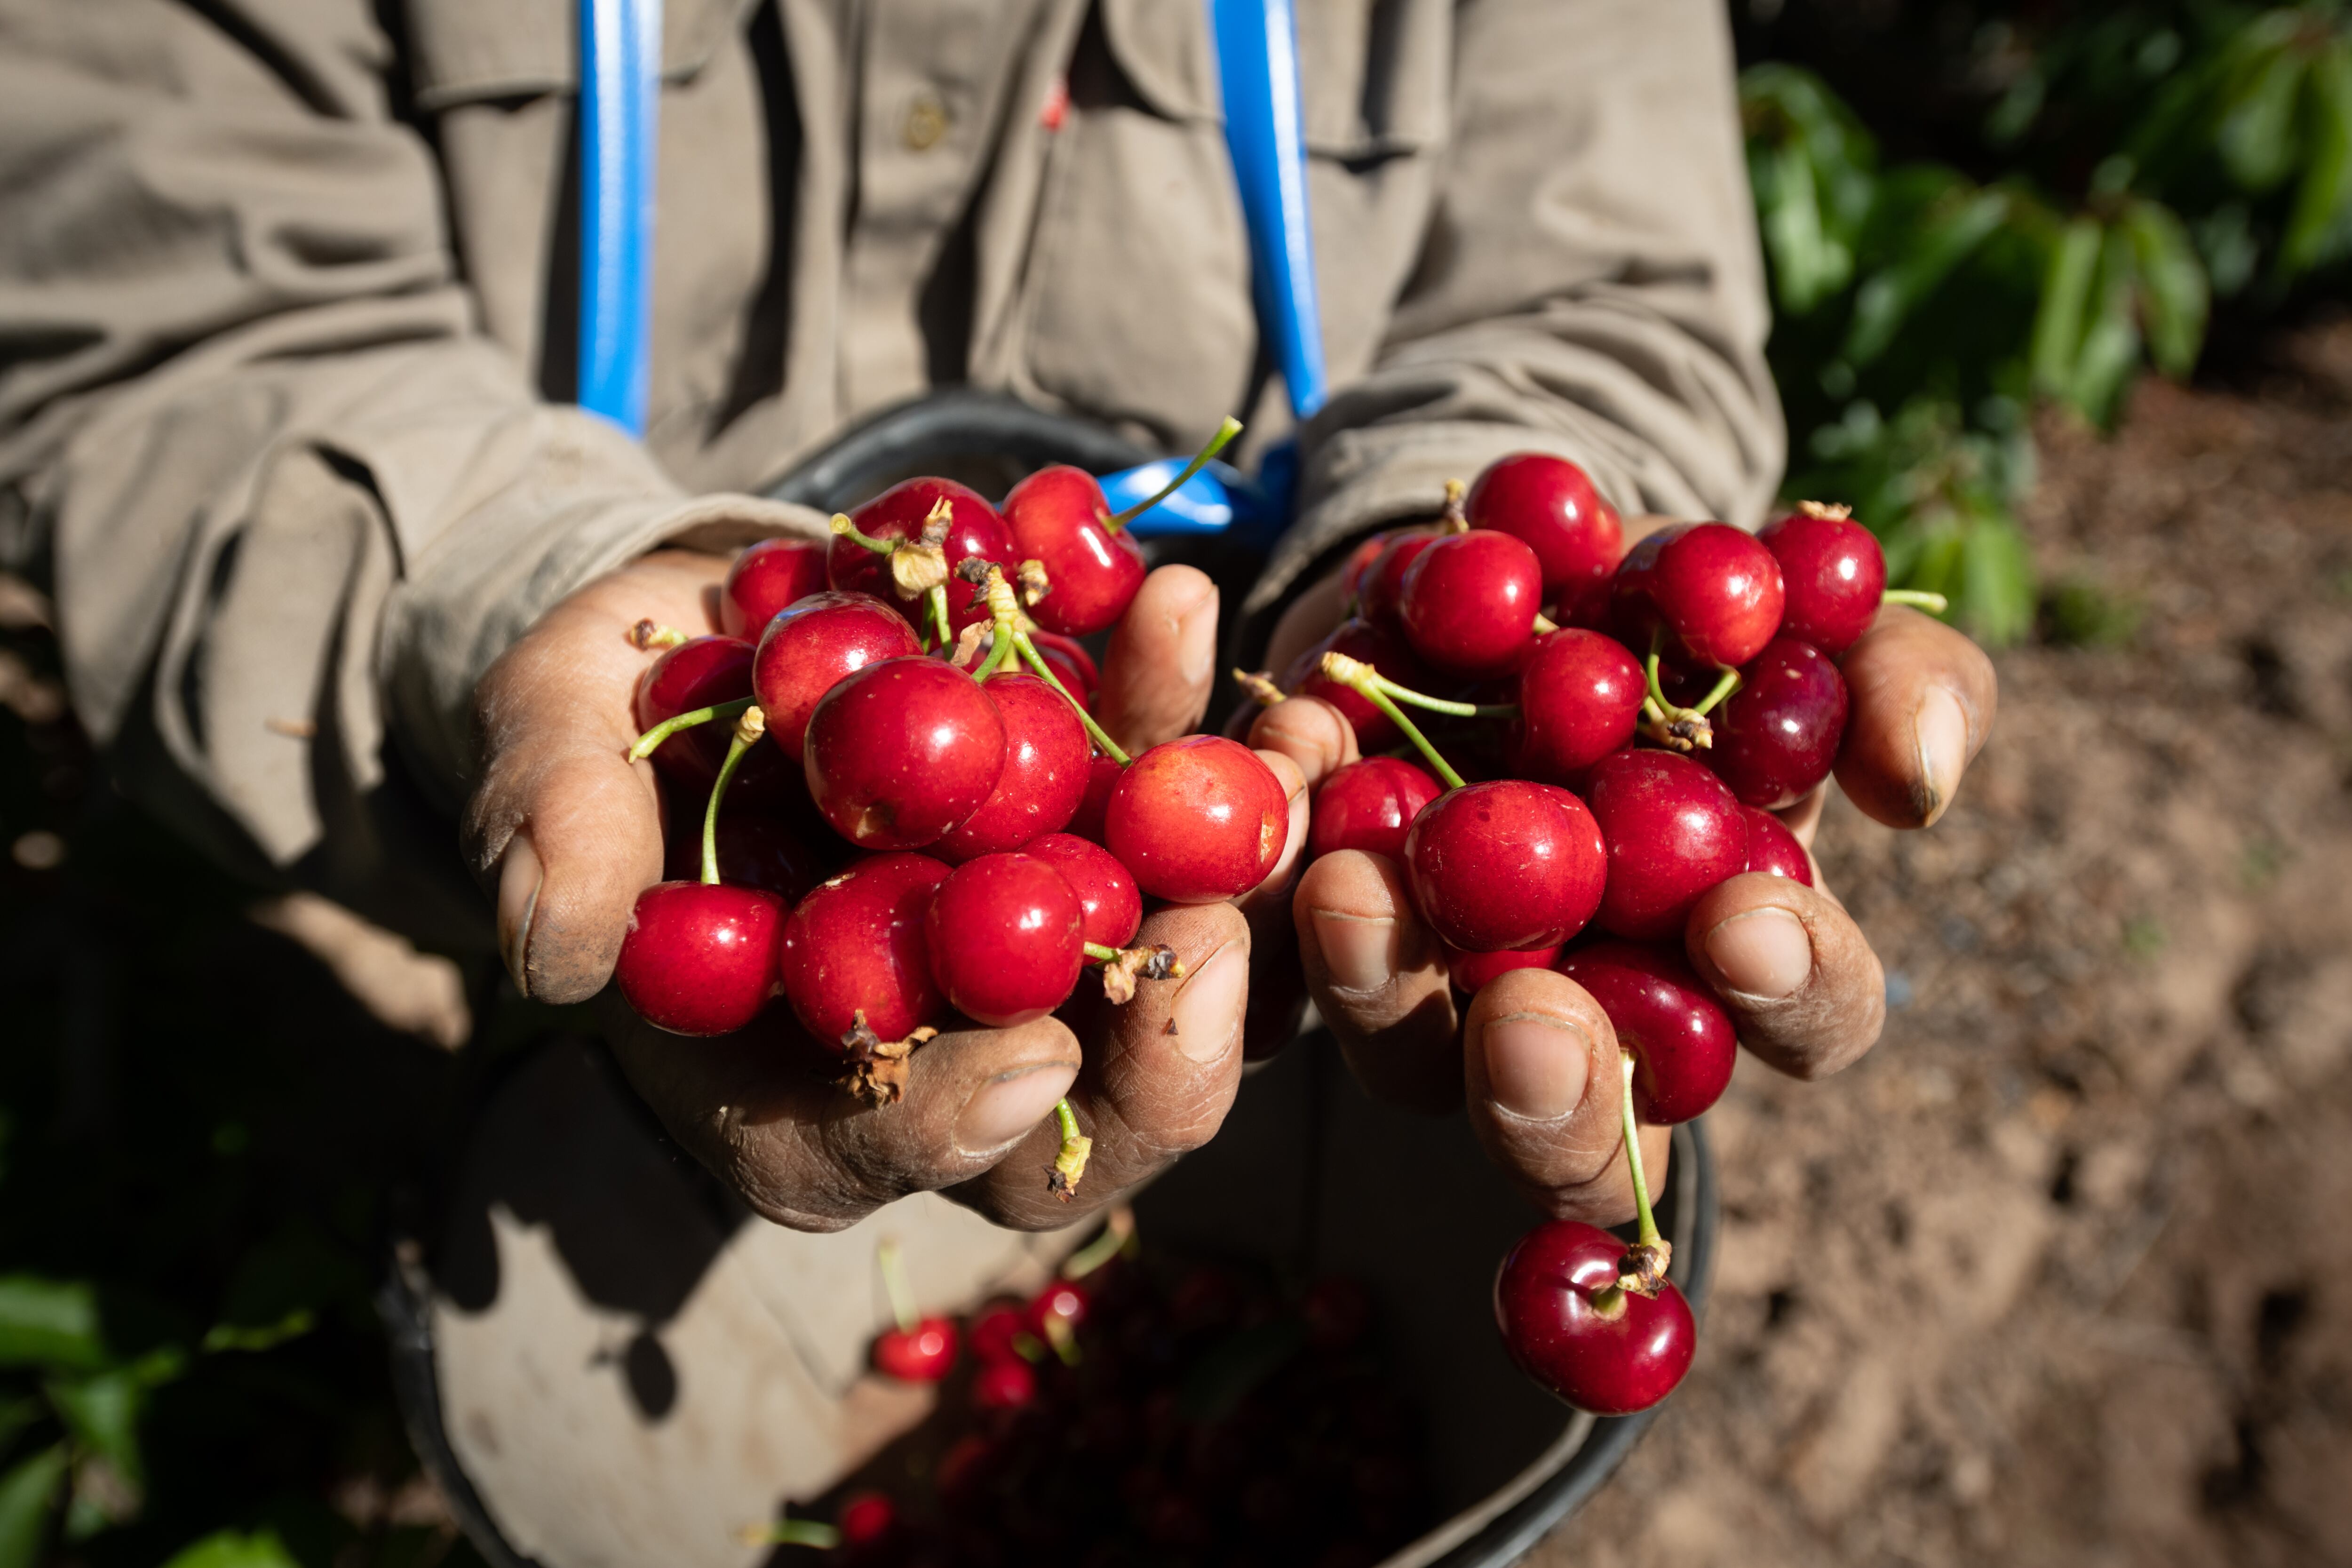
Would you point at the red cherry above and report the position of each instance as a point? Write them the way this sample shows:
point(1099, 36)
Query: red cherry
point(1058, 516)
point(1110, 909)
point(756, 849)
point(1580, 697)
point(901, 752)
point(1471, 970)
point(1713, 591)
point(767, 577)
point(701, 959)
point(1777, 737)
point(1673, 831)
point(1369, 806)
point(1549, 504)
point(1505, 865)
point(1064, 1300)
point(1379, 592)
point(1599, 1347)
point(964, 1468)
point(1197, 819)
point(1045, 775)
point(1384, 651)
point(1773, 850)
point(924, 1353)
point(1072, 665)
point(856, 945)
point(975, 532)
point(1004, 1386)
point(865, 1520)
point(1359, 562)
point(1004, 935)
point(810, 646)
point(1681, 1038)
point(1470, 600)
point(1102, 777)
point(996, 1333)
point(1835, 573)
point(699, 673)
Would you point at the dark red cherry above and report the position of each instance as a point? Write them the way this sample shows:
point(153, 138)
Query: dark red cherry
point(1673, 831)
point(901, 752)
point(1045, 775)
point(1359, 562)
point(701, 959)
point(756, 849)
point(1571, 1329)
point(810, 646)
point(866, 1520)
point(1549, 504)
point(1064, 1300)
point(1380, 591)
point(698, 673)
point(1197, 819)
point(1505, 865)
point(997, 1335)
point(1470, 600)
point(1102, 777)
point(1073, 665)
point(1384, 651)
point(767, 577)
point(1773, 850)
point(975, 532)
point(1471, 970)
point(1834, 573)
point(1682, 1040)
point(1713, 591)
point(1580, 696)
point(924, 1353)
point(1369, 806)
point(1004, 938)
point(1058, 516)
point(1777, 737)
point(1111, 910)
point(856, 946)
point(1004, 1386)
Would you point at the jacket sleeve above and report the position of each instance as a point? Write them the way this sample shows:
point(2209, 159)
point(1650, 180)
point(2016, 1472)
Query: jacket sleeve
point(289, 499)
point(1589, 284)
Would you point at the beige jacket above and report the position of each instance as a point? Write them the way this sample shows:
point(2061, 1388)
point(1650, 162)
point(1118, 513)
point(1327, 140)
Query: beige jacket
point(286, 303)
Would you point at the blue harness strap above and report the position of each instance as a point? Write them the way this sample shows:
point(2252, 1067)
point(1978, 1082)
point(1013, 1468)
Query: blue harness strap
point(620, 96)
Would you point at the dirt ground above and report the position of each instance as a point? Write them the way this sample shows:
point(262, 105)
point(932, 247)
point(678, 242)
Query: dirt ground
point(2062, 1273)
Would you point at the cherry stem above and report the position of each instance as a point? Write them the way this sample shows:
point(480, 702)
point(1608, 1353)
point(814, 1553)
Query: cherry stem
point(1217, 443)
point(1442, 705)
point(1366, 682)
point(1069, 1165)
point(999, 648)
point(845, 528)
point(1649, 1223)
point(1097, 954)
point(893, 1280)
point(749, 725)
point(796, 1532)
point(1036, 661)
point(1682, 729)
point(650, 636)
point(939, 608)
point(651, 739)
point(1725, 685)
point(1117, 1235)
point(1544, 624)
point(1933, 603)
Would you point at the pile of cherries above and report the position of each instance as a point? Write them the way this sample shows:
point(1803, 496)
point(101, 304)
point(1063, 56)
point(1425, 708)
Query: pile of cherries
point(923, 817)
point(1626, 723)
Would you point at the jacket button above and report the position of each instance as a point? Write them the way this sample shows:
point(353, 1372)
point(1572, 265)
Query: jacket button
point(927, 121)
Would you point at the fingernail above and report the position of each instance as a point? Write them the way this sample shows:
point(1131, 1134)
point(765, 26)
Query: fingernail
point(1943, 732)
point(1536, 1065)
point(1208, 1013)
point(1196, 649)
point(1765, 952)
point(519, 877)
point(1358, 954)
point(1007, 1107)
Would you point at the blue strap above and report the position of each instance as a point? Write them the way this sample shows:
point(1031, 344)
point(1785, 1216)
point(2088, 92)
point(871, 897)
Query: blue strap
point(620, 98)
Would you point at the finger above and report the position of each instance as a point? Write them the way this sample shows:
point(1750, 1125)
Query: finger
point(1923, 699)
point(1162, 657)
point(760, 1111)
point(1315, 736)
point(1160, 1073)
point(1270, 893)
point(1377, 977)
point(1541, 1077)
point(1307, 620)
point(1793, 970)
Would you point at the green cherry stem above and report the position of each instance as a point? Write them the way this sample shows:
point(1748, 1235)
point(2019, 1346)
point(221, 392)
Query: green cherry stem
point(1441, 705)
point(938, 600)
point(1649, 1223)
point(1036, 662)
point(749, 725)
point(845, 528)
point(1920, 598)
point(893, 1280)
point(1217, 443)
point(1069, 1164)
point(648, 743)
point(813, 1532)
point(1725, 685)
point(1117, 1235)
point(1363, 679)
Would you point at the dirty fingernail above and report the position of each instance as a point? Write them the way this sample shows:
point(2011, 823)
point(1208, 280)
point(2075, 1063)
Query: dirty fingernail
point(1208, 1014)
point(1358, 954)
point(1536, 1065)
point(1196, 649)
point(1764, 952)
point(1005, 1108)
point(1943, 732)
point(519, 877)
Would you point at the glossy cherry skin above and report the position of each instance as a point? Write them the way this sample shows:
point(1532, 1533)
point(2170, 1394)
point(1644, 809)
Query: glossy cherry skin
point(1045, 773)
point(1066, 1299)
point(1472, 971)
point(1777, 737)
point(1058, 516)
point(1386, 651)
point(1580, 697)
point(1773, 850)
point(901, 752)
point(1505, 865)
point(856, 945)
point(1094, 807)
point(769, 576)
point(1682, 1040)
point(701, 959)
point(1673, 831)
point(1369, 806)
point(1004, 1386)
point(975, 532)
point(1548, 1303)
point(756, 849)
point(810, 646)
point(865, 1520)
point(1197, 819)
point(1713, 591)
point(1470, 600)
point(924, 1353)
point(1380, 591)
point(997, 1335)
point(1549, 504)
point(698, 673)
point(1110, 909)
point(1004, 936)
point(1834, 573)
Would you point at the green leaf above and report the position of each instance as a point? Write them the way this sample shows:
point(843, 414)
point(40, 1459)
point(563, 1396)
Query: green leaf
point(1995, 597)
point(49, 1322)
point(2111, 347)
point(2175, 298)
point(2066, 296)
point(25, 1494)
point(102, 1414)
point(230, 1549)
point(2320, 199)
point(1888, 297)
point(2256, 137)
